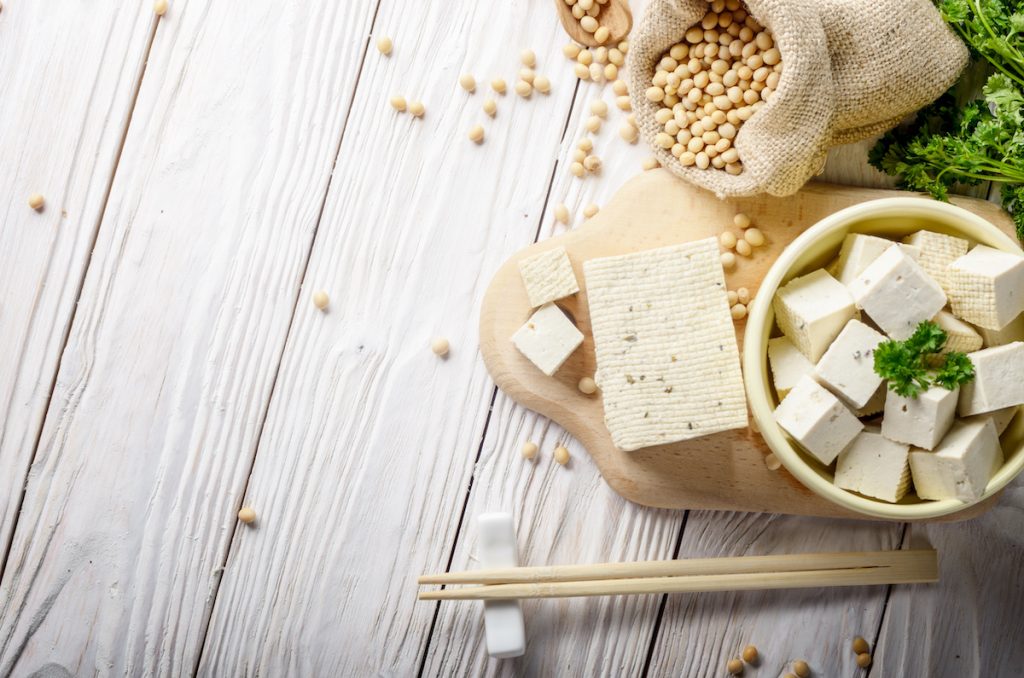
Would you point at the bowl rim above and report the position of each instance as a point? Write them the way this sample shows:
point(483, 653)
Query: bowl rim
point(758, 331)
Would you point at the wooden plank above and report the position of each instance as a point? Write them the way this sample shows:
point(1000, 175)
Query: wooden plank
point(700, 633)
point(69, 72)
point(965, 625)
point(370, 440)
point(184, 313)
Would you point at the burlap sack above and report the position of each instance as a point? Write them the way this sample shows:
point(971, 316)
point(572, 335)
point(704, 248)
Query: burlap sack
point(853, 68)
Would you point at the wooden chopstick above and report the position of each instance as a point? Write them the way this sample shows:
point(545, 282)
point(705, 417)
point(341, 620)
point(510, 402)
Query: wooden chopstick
point(707, 574)
point(673, 568)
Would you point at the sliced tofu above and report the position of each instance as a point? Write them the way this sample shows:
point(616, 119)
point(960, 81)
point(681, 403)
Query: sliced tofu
point(788, 365)
point(848, 366)
point(986, 287)
point(1012, 332)
point(548, 338)
point(962, 464)
point(548, 276)
point(875, 467)
point(938, 251)
point(859, 250)
point(812, 310)
point(667, 359)
point(897, 294)
point(818, 420)
point(959, 335)
point(998, 380)
point(921, 421)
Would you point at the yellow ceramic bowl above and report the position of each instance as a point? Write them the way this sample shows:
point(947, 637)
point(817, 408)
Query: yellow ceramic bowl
point(815, 248)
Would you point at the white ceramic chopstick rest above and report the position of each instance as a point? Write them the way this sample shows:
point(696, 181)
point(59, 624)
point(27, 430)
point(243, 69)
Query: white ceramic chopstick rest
point(503, 619)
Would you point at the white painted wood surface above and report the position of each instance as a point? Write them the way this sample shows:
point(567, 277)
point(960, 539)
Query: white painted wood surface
point(197, 371)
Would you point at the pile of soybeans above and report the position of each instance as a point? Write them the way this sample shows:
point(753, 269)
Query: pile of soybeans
point(723, 71)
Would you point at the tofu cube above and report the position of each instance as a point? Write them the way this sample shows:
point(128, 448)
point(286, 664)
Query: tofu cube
point(875, 467)
point(1012, 332)
point(548, 276)
point(959, 335)
point(1000, 418)
point(998, 380)
point(897, 294)
point(788, 365)
point(920, 421)
point(817, 420)
point(962, 464)
point(812, 310)
point(859, 250)
point(875, 405)
point(848, 366)
point(986, 287)
point(547, 338)
point(938, 251)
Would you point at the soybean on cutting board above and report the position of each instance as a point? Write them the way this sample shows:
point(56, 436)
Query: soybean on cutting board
point(724, 471)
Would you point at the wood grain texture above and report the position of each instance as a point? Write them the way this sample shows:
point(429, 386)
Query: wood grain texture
point(721, 471)
point(69, 71)
point(163, 385)
point(370, 439)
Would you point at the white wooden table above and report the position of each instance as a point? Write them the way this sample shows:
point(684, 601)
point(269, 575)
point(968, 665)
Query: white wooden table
point(161, 365)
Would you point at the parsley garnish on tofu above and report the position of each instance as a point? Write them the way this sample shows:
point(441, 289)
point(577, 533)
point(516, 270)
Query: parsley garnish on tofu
point(914, 365)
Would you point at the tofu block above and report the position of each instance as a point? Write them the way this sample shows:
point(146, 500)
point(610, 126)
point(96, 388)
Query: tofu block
point(876, 404)
point(897, 294)
point(817, 420)
point(504, 625)
point(1000, 418)
point(667, 360)
point(788, 365)
point(920, 421)
point(998, 380)
point(1012, 332)
point(875, 467)
point(938, 251)
point(959, 335)
point(547, 338)
point(548, 276)
point(812, 310)
point(859, 250)
point(962, 464)
point(848, 366)
point(986, 287)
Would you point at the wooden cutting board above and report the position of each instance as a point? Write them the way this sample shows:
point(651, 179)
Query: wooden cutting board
point(723, 471)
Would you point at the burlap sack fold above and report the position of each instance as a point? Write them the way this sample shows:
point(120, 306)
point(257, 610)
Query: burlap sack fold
point(852, 68)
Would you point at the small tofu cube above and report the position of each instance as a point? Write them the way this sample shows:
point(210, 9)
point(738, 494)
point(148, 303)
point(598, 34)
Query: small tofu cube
point(962, 464)
point(817, 420)
point(938, 251)
point(848, 366)
point(548, 276)
point(1012, 332)
point(998, 380)
point(788, 365)
point(547, 338)
point(986, 287)
point(812, 310)
point(897, 294)
point(1000, 418)
point(920, 421)
point(959, 335)
point(859, 250)
point(875, 467)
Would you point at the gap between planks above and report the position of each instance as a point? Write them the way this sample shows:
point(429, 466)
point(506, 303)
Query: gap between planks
point(494, 394)
point(79, 286)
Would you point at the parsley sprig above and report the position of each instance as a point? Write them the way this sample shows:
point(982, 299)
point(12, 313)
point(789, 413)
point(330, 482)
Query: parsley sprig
point(982, 140)
point(916, 364)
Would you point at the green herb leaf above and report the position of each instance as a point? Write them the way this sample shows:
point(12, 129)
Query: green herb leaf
point(913, 365)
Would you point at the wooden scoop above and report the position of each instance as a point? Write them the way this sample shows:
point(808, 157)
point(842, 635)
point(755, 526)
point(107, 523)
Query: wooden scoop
point(614, 14)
